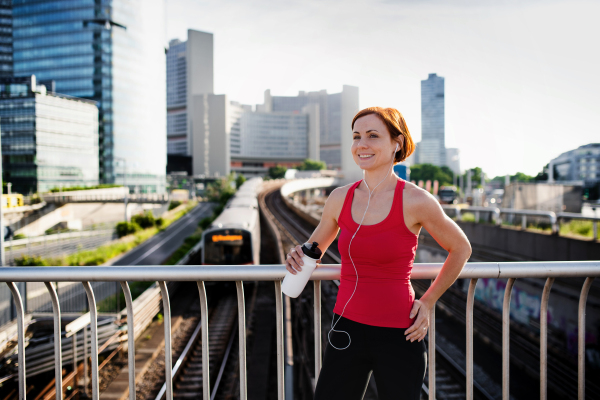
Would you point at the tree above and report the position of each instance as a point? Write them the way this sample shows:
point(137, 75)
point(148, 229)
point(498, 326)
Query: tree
point(424, 172)
point(312, 165)
point(277, 171)
point(239, 181)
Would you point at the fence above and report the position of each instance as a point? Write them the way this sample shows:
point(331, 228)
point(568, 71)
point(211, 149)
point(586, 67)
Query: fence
point(275, 273)
point(496, 215)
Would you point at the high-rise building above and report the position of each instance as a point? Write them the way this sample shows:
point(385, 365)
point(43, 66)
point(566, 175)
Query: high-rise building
point(336, 111)
point(190, 86)
point(6, 48)
point(453, 160)
point(432, 148)
point(112, 52)
point(48, 140)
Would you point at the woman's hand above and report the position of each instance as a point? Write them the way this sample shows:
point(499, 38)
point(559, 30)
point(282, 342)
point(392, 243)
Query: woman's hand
point(293, 260)
point(419, 328)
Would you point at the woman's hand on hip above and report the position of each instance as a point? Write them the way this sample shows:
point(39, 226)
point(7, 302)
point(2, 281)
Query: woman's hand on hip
point(420, 326)
point(293, 260)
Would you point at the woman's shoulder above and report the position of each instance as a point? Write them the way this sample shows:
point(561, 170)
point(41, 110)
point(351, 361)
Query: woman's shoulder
point(338, 195)
point(336, 199)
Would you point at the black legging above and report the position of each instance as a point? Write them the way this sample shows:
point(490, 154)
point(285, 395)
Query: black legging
point(398, 365)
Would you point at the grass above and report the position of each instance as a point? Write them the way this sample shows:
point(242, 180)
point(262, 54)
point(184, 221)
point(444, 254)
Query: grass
point(187, 245)
point(578, 227)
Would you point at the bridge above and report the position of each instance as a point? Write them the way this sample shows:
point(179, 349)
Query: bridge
point(578, 276)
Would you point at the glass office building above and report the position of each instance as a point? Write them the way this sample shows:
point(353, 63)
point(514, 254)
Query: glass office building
point(432, 148)
point(112, 52)
point(48, 140)
point(6, 64)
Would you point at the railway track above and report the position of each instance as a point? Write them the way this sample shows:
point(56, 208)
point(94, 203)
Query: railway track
point(450, 377)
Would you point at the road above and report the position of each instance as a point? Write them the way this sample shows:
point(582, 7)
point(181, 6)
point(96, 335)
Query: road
point(156, 250)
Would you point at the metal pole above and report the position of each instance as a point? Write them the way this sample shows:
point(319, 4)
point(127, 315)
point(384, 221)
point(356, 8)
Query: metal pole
point(431, 352)
point(57, 341)
point(126, 194)
point(280, 348)
point(581, 339)
point(168, 348)
point(21, 338)
point(130, 339)
point(470, 303)
point(317, 329)
point(205, 354)
point(544, 339)
point(506, 340)
point(242, 338)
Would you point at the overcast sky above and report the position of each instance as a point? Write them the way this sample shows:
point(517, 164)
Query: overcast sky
point(522, 77)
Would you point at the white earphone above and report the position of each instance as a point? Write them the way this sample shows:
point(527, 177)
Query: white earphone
point(333, 324)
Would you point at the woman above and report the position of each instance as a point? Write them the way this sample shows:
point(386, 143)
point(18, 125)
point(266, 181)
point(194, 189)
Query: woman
point(378, 324)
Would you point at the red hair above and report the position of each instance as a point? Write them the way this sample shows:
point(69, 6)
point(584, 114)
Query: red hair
point(396, 125)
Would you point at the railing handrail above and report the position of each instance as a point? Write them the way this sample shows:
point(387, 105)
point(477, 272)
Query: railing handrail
point(276, 272)
point(239, 273)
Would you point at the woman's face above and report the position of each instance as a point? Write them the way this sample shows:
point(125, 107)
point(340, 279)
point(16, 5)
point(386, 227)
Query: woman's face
point(372, 145)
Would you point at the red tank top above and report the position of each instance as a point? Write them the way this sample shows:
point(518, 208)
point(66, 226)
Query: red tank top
point(383, 254)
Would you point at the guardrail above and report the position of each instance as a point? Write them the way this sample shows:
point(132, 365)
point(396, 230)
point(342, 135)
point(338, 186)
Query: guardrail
point(275, 273)
point(497, 213)
point(106, 198)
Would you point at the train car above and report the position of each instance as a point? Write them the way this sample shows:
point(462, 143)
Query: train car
point(234, 236)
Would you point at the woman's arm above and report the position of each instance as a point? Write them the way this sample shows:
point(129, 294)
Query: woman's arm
point(324, 233)
point(452, 239)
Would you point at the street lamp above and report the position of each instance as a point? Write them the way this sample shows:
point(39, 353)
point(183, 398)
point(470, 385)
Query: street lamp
point(126, 194)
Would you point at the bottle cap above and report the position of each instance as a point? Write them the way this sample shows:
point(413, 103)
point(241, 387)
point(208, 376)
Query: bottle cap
point(312, 250)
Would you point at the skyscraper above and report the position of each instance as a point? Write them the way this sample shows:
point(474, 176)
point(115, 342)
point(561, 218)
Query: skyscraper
point(6, 49)
point(112, 52)
point(432, 148)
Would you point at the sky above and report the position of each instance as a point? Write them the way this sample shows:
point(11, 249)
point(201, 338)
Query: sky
point(521, 76)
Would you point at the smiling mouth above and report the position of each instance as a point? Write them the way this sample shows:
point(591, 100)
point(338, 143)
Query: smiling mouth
point(365, 156)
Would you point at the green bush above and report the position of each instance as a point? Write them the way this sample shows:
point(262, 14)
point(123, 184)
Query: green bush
point(206, 221)
point(277, 171)
point(126, 228)
point(239, 181)
point(578, 227)
point(159, 222)
point(28, 261)
point(218, 210)
point(174, 204)
point(145, 220)
point(19, 236)
point(468, 217)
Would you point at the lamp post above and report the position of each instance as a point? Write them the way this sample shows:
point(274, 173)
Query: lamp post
point(126, 194)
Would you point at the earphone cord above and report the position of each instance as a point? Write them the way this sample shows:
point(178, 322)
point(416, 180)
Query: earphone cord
point(333, 324)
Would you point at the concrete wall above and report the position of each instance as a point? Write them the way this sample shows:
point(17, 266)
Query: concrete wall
point(543, 197)
point(515, 245)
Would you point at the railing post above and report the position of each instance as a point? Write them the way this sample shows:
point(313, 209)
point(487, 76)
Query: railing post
point(581, 339)
point(94, 339)
point(317, 329)
point(205, 354)
point(20, 337)
point(431, 352)
point(506, 340)
point(544, 339)
point(470, 303)
point(242, 338)
point(86, 356)
point(168, 350)
point(595, 225)
point(279, 333)
point(130, 339)
point(523, 221)
point(57, 341)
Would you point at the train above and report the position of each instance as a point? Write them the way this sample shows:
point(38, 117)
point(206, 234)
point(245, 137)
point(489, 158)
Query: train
point(233, 238)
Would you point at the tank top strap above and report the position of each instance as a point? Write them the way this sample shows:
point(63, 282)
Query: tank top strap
point(346, 212)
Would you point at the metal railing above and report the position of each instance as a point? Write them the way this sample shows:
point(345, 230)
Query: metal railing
point(497, 213)
point(275, 273)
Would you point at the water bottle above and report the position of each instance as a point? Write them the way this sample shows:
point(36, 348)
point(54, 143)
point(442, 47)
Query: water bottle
point(292, 284)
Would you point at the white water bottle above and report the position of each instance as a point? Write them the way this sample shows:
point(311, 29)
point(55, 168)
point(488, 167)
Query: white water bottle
point(292, 284)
